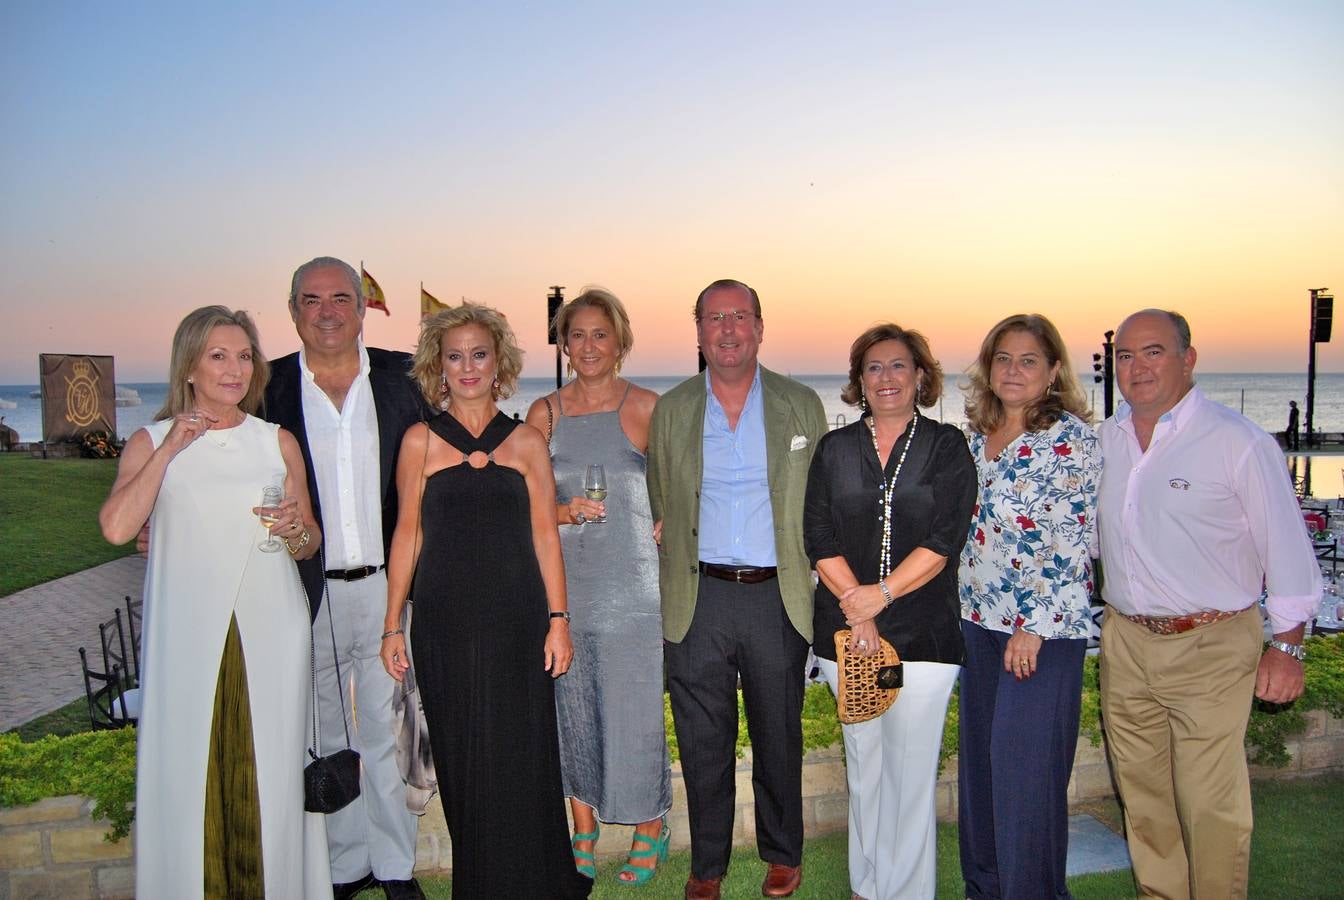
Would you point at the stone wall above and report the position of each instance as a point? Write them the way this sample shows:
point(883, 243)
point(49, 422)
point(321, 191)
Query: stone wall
point(52, 849)
point(826, 806)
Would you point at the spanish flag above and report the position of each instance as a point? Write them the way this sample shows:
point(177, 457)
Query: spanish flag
point(429, 304)
point(373, 294)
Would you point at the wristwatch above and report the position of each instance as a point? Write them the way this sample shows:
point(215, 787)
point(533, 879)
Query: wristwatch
point(1296, 651)
point(564, 614)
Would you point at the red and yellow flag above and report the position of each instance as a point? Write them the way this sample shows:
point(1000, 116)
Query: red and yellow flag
point(373, 294)
point(429, 304)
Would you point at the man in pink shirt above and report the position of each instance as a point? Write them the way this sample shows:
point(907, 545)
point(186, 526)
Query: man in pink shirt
point(1196, 515)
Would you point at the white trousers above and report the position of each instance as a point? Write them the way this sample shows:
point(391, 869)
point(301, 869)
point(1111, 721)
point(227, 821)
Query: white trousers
point(891, 765)
point(376, 832)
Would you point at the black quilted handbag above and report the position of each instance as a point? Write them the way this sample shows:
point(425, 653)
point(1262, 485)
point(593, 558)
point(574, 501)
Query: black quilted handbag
point(330, 783)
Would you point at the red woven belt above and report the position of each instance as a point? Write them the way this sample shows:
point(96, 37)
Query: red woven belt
point(1179, 624)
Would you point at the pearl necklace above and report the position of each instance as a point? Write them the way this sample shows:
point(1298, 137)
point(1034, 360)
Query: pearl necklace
point(886, 489)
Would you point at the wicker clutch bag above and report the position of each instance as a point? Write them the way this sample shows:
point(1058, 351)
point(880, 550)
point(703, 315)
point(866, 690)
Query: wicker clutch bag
point(868, 684)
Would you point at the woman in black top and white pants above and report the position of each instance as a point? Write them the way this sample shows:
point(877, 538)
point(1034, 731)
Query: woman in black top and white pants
point(888, 502)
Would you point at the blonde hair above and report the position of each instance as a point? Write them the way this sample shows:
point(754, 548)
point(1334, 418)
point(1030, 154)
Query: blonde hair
point(929, 390)
point(605, 302)
point(427, 365)
point(189, 343)
point(984, 410)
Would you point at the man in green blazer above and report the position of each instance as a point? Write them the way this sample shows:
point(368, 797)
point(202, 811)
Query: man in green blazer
point(728, 457)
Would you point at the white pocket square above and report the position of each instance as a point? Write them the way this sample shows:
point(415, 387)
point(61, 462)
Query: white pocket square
point(799, 442)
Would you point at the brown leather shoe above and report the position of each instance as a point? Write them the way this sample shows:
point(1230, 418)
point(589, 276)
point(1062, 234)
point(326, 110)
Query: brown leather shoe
point(781, 881)
point(702, 890)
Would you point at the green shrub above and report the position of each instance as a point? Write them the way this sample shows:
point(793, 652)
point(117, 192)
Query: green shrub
point(101, 764)
point(97, 764)
point(1271, 725)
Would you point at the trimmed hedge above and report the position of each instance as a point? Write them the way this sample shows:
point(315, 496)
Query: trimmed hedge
point(101, 764)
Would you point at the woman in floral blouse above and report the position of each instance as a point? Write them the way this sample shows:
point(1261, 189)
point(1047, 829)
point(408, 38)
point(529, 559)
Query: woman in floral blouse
point(1025, 582)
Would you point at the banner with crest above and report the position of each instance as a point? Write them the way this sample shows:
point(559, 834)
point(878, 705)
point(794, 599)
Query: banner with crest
point(78, 396)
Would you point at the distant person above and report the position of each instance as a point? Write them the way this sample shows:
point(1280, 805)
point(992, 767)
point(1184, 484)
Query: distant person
point(1025, 585)
point(1290, 436)
point(349, 405)
point(225, 712)
point(1197, 515)
point(613, 749)
point(477, 541)
point(728, 457)
point(887, 571)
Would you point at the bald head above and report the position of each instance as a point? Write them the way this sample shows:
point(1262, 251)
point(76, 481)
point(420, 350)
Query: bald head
point(1154, 362)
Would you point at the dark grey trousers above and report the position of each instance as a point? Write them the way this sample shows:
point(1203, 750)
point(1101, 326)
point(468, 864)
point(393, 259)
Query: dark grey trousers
point(739, 630)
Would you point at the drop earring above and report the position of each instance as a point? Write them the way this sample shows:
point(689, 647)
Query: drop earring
point(443, 389)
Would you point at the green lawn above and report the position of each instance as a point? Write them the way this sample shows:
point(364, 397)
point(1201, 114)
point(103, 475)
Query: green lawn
point(49, 518)
point(1296, 852)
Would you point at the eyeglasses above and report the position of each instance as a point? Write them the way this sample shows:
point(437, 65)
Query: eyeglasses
point(737, 315)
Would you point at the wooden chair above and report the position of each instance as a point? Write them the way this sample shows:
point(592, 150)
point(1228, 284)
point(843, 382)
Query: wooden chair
point(106, 703)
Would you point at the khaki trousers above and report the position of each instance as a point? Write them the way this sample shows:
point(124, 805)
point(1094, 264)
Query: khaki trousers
point(1174, 708)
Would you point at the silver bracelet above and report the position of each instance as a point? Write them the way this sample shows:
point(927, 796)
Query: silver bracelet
point(388, 634)
point(886, 592)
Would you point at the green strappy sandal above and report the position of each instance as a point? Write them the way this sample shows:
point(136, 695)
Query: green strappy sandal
point(584, 861)
point(654, 847)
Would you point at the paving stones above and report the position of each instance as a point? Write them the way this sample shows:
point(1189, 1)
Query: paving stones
point(43, 629)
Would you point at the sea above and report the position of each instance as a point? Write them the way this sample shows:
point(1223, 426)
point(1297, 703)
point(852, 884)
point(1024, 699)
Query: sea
point(1263, 398)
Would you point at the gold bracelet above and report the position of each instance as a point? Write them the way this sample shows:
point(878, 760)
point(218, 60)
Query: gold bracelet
point(303, 542)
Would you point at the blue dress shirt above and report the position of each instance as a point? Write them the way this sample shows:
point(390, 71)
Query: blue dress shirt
point(736, 522)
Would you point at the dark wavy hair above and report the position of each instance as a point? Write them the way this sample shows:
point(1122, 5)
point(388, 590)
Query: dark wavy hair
point(930, 388)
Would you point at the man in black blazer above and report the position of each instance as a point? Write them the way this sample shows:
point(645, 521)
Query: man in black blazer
point(348, 406)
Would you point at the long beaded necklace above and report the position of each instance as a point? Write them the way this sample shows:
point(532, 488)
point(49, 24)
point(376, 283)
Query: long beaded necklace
point(886, 489)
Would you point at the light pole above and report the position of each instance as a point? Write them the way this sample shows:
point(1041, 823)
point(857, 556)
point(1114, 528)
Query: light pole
point(1322, 311)
point(1103, 369)
point(553, 302)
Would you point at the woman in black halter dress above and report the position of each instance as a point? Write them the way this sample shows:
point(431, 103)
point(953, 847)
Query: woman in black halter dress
point(477, 528)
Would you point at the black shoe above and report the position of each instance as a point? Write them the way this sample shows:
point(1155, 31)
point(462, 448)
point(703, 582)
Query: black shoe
point(350, 888)
point(403, 890)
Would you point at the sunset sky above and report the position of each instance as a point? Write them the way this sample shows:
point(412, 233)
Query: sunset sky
point(939, 164)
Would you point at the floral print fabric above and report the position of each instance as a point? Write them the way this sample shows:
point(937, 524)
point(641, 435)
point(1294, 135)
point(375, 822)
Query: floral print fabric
point(1028, 560)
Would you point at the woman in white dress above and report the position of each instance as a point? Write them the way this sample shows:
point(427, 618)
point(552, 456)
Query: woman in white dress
point(226, 671)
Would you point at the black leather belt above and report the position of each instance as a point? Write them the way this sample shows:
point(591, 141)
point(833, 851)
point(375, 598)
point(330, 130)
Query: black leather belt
point(740, 574)
point(353, 574)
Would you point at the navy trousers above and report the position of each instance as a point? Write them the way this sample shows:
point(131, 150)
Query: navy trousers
point(1016, 755)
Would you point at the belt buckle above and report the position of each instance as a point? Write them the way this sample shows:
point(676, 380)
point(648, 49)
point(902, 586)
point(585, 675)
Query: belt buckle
point(737, 576)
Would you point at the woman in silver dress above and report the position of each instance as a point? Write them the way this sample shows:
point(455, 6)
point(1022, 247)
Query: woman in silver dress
point(613, 749)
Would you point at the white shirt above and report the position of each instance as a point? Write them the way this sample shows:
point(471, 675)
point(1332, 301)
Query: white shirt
point(1203, 519)
point(344, 446)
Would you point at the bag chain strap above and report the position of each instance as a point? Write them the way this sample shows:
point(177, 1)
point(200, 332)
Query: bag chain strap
point(312, 650)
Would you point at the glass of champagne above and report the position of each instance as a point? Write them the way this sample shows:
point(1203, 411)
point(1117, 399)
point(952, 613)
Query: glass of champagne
point(595, 488)
point(271, 496)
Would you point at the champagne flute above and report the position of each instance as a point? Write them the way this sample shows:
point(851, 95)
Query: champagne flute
point(271, 496)
point(595, 488)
